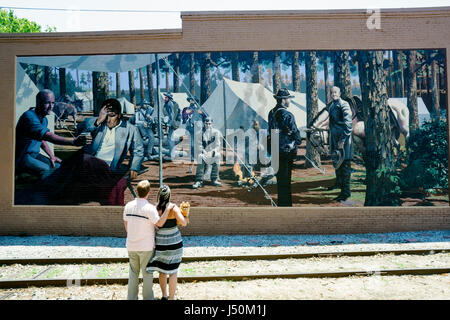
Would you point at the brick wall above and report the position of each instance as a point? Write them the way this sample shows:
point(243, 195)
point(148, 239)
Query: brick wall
point(295, 30)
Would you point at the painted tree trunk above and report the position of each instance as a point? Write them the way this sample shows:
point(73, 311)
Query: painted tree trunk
point(380, 159)
point(435, 89)
point(205, 78)
point(389, 71)
point(167, 80)
point(254, 70)
point(327, 82)
point(342, 73)
point(412, 91)
point(296, 72)
point(100, 89)
point(176, 68)
point(62, 82)
point(132, 87)
point(141, 84)
point(118, 93)
point(192, 74)
point(235, 66)
point(151, 91)
point(36, 77)
point(312, 105)
point(47, 72)
point(398, 71)
point(276, 72)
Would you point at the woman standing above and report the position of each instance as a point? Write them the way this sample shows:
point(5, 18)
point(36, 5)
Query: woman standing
point(169, 245)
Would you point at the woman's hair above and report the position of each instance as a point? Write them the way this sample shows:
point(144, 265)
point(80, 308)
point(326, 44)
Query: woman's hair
point(143, 188)
point(163, 197)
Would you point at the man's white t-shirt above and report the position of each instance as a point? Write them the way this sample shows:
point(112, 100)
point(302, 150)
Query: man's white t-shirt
point(141, 217)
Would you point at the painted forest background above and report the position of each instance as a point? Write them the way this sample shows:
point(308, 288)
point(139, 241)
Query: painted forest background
point(368, 74)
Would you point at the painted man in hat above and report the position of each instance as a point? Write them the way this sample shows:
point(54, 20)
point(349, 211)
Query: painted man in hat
point(193, 117)
point(341, 144)
point(172, 118)
point(283, 121)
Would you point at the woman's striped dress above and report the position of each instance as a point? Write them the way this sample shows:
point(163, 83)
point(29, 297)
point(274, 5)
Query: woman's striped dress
point(169, 248)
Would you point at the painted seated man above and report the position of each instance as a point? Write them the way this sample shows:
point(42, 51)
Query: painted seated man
point(32, 135)
point(97, 172)
point(209, 143)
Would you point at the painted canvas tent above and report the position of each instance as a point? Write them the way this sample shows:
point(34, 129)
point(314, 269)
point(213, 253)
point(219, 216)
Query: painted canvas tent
point(240, 103)
point(127, 106)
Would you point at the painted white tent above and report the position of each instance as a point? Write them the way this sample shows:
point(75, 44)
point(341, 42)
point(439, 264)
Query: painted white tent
point(127, 106)
point(244, 102)
point(87, 99)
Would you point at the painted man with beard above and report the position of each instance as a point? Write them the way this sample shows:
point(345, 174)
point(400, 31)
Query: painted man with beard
point(341, 144)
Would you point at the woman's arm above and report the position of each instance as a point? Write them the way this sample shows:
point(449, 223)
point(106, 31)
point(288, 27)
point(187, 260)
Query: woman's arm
point(179, 216)
point(162, 219)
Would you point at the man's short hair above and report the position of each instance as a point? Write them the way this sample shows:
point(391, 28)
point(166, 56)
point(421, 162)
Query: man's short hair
point(40, 96)
point(143, 188)
point(115, 105)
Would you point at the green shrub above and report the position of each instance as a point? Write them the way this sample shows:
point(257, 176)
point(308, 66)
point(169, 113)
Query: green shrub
point(427, 158)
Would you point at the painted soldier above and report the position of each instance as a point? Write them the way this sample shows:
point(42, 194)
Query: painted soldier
point(143, 120)
point(191, 116)
point(341, 144)
point(172, 118)
point(289, 138)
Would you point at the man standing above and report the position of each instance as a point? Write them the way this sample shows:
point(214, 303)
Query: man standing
point(283, 121)
point(209, 145)
point(140, 218)
point(341, 144)
point(32, 134)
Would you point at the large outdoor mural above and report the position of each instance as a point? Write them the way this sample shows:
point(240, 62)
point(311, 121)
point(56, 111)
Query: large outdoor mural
point(234, 129)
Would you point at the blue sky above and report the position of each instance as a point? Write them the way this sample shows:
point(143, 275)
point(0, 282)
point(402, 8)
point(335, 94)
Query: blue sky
point(167, 15)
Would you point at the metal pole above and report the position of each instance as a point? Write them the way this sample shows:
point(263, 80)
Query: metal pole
point(160, 133)
point(224, 111)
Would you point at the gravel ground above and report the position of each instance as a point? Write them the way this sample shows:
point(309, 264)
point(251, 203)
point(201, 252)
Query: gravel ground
point(367, 287)
point(63, 246)
point(372, 287)
point(221, 267)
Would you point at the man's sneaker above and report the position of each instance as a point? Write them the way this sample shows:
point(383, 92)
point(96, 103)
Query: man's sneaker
point(216, 183)
point(197, 185)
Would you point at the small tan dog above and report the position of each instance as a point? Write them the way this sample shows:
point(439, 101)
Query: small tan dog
point(184, 208)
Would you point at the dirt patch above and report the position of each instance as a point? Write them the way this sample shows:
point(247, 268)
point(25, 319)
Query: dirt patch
point(309, 185)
